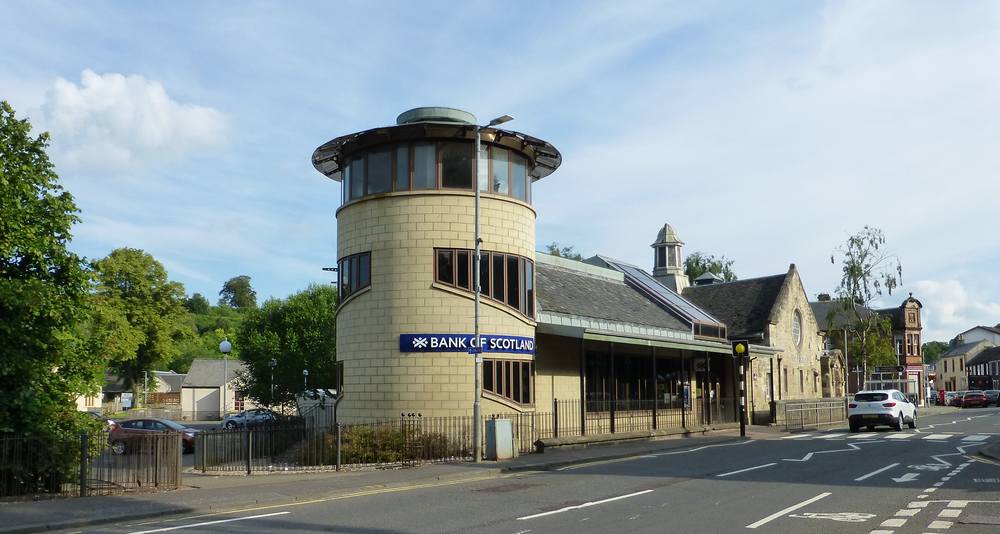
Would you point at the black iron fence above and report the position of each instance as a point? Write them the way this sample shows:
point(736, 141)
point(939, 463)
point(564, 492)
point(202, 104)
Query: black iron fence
point(406, 440)
point(32, 467)
point(567, 418)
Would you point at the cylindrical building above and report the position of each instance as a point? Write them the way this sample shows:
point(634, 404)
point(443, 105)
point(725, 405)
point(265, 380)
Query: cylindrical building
point(405, 240)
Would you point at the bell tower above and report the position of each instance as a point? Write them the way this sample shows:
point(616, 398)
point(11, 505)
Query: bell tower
point(668, 264)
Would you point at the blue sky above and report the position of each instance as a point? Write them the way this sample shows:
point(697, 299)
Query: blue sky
point(767, 132)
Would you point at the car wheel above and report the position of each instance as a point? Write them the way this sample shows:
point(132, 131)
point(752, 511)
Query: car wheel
point(913, 420)
point(230, 425)
point(898, 424)
point(854, 428)
point(118, 447)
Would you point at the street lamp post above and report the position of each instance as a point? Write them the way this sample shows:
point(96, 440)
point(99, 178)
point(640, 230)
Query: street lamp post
point(272, 364)
point(477, 416)
point(225, 347)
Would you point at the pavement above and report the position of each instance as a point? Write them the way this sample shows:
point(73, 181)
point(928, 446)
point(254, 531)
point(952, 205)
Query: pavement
point(213, 494)
point(208, 493)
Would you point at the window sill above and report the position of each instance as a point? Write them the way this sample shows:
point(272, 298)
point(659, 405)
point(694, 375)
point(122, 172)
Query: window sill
point(351, 298)
point(484, 300)
point(522, 408)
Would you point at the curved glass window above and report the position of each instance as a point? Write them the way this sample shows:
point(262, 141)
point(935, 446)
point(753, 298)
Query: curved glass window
point(354, 273)
point(506, 278)
point(435, 165)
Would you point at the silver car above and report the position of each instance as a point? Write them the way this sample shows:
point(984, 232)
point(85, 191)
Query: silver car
point(254, 417)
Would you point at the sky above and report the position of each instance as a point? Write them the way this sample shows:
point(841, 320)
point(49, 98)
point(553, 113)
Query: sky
point(768, 132)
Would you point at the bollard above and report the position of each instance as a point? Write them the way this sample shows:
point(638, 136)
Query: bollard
point(555, 418)
point(338, 446)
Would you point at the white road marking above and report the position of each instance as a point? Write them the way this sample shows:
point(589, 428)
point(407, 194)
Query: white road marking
point(585, 505)
point(908, 512)
point(937, 484)
point(747, 469)
point(831, 436)
point(930, 490)
point(957, 504)
point(938, 437)
point(900, 436)
point(908, 477)
point(943, 525)
point(789, 510)
point(917, 504)
point(797, 436)
point(206, 523)
point(950, 512)
point(853, 447)
point(877, 471)
point(882, 532)
point(976, 437)
point(894, 522)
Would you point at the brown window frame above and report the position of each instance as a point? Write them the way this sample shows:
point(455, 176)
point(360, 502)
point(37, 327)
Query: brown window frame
point(354, 274)
point(504, 373)
point(523, 307)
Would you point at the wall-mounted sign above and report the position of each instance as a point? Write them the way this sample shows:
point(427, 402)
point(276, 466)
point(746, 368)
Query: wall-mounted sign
point(465, 343)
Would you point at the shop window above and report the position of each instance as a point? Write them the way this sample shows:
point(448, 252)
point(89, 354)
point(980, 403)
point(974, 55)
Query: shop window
point(354, 274)
point(505, 278)
point(510, 379)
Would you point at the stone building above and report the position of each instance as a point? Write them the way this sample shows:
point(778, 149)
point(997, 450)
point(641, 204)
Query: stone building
point(952, 366)
point(774, 312)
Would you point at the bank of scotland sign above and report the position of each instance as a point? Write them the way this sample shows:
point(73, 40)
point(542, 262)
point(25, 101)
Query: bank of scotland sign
point(465, 343)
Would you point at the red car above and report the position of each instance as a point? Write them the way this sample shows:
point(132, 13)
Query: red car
point(139, 427)
point(975, 398)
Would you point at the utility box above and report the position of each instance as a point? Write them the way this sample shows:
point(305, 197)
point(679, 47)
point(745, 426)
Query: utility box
point(499, 439)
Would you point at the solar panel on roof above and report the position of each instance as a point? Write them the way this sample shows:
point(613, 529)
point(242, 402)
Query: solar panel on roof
point(661, 293)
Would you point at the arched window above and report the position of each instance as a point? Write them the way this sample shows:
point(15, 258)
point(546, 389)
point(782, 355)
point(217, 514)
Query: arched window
point(797, 328)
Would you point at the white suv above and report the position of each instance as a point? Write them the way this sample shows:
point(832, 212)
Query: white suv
point(881, 407)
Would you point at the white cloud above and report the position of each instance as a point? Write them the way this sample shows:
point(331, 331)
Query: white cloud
point(112, 121)
point(950, 309)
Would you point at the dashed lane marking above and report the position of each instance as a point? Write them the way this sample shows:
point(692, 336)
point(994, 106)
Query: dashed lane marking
point(938, 437)
point(950, 512)
point(976, 437)
point(942, 525)
point(747, 469)
point(894, 522)
point(899, 436)
point(206, 523)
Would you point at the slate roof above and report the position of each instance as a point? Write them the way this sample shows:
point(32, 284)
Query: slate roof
point(821, 310)
point(965, 349)
point(173, 380)
point(207, 373)
point(744, 305)
point(991, 354)
point(572, 292)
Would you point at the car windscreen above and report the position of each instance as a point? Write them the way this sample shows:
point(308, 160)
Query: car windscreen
point(871, 397)
point(173, 425)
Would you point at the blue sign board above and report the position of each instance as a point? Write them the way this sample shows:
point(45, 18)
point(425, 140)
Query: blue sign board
point(465, 343)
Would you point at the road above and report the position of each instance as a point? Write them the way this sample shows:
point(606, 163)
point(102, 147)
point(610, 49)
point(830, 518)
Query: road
point(913, 481)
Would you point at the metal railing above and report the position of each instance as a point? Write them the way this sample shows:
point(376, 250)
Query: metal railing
point(798, 415)
point(407, 440)
point(32, 466)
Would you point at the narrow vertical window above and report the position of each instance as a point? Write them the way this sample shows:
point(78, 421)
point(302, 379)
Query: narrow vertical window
point(345, 190)
point(379, 171)
point(357, 177)
point(526, 380)
point(463, 270)
point(488, 383)
point(403, 168)
point(445, 267)
point(498, 271)
point(364, 270)
point(529, 282)
point(484, 273)
point(673, 256)
point(456, 165)
point(501, 172)
point(483, 171)
point(424, 166)
point(661, 256)
point(355, 273)
point(515, 379)
point(518, 177)
point(524, 287)
point(344, 275)
point(513, 294)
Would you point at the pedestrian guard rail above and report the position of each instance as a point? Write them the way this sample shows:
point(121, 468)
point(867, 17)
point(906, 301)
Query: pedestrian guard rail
point(810, 413)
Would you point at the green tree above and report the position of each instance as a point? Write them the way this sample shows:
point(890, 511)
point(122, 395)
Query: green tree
point(555, 249)
point(238, 293)
point(197, 303)
point(136, 285)
point(299, 332)
point(699, 263)
point(933, 350)
point(868, 271)
point(44, 365)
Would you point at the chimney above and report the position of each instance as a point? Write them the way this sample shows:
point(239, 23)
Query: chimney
point(823, 297)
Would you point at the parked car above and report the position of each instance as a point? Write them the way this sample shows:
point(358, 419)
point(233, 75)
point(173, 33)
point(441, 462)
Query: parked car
point(956, 400)
point(974, 398)
point(134, 428)
point(993, 396)
point(883, 407)
point(254, 417)
point(109, 424)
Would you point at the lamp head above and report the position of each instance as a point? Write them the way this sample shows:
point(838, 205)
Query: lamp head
point(225, 347)
point(500, 120)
